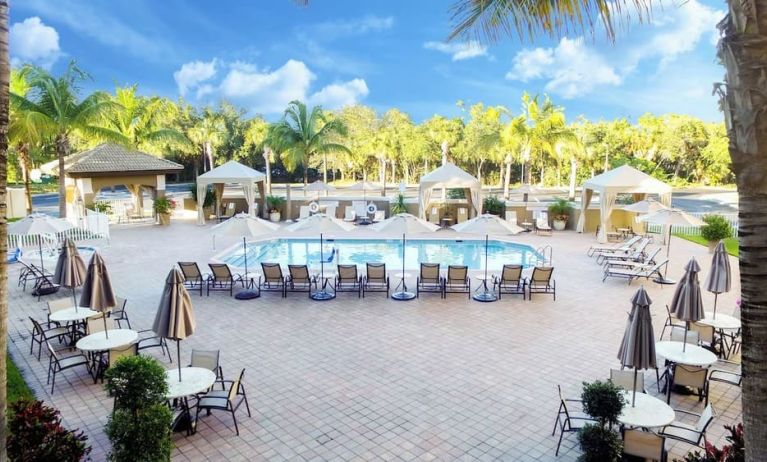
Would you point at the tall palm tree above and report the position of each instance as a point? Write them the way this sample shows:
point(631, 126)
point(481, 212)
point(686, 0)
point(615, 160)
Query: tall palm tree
point(301, 134)
point(53, 106)
point(742, 50)
point(22, 131)
point(207, 133)
point(5, 110)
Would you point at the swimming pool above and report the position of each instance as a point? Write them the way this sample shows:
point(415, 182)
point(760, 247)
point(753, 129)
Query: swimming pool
point(360, 251)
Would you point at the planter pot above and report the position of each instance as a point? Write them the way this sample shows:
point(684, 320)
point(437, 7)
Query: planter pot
point(274, 216)
point(560, 225)
point(164, 218)
point(712, 246)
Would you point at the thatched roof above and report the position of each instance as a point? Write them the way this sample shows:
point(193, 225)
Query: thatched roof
point(110, 158)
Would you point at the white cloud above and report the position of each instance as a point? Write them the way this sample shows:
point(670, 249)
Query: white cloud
point(571, 68)
point(681, 29)
point(347, 27)
point(338, 95)
point(34, 42)
point(192, 74)
point(459, 50)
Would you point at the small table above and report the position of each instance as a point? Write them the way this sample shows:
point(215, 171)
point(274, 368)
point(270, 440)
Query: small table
point(193, 380)
point(647, 412)
point(402, 294)
point(100, 342)
point(483, 293)
point(73, 316)
point(624, 231)
point(722, 321)
point(693, 355)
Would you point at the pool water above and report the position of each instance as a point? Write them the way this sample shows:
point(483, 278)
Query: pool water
point(360, 251)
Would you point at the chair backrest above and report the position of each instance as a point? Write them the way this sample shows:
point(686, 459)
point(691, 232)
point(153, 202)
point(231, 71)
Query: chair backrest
point(705, 419)
point(53, 353)
point(360, 208)
point(115, 354)
point(655, 269)
point(629, 244)
point(429, 272)
point(299, 272)
point(511, 216)
point(705, 333)
point(96, 324)
point(380, 215)
point(347, 273)
point(235, 387)
point(457, 273)
point(349, 213)
point(190, 270)
point(677, 335)
point(36, 327)
point(207, 359)
point(230, 209)
point(303, 212)
point(272, 272)
point(563, 402)
point(376, 271)
point(671, 316)
point(625, 379)
point(690, 376)
point(646, 445)
point(462, 214)
point(654, 254)
point(511, 273)
point(120, 304)
point(330, 211)
point(220, 271)
point(542, 274)
point(542, 223)
point(58, 305)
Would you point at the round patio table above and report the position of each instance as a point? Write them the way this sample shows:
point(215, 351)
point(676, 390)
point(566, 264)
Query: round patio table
point(98, 341)
point(692, 356)
point(71, 314)
point(722, 321)
point(647, 412)
point(193, 380)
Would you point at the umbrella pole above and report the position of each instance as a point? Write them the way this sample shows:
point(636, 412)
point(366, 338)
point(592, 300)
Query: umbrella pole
point(40, 245)
point(684, 345)
point(245, 254)
point(634, 395)
point(178, 357)
point(74, 298)
point(106, 331)
point(403, 259)
point(716, 295)
point(322, 264)
point(486, 262)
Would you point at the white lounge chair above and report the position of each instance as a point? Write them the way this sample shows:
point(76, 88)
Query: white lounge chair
point(542, 224)
point(626, 246)
point(303, 212)
point(360, 208)
point(645, 262)
point(636, 253)
point(349, 214)
point(634, 273)
point(330, 211)
point(380, 215)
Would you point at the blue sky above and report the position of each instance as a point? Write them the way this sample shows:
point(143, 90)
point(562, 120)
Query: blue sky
point(260, 55)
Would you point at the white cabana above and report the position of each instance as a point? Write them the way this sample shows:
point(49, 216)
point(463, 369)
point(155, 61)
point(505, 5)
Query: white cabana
point(622, 180)
point(230, 172)
point(449, 176)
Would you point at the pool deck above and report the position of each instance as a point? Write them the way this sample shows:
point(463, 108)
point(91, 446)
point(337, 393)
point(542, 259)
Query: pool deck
point(376, 379)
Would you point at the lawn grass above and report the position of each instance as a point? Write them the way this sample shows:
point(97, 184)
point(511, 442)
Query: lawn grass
point(17, 388)
point(730, 244)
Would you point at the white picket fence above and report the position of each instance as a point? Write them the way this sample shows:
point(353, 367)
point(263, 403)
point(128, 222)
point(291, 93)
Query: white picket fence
point(731, 218)
point(94, 226)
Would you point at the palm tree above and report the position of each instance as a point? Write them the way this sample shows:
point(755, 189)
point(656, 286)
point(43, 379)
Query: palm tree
point(21, 131)
point(742, 50)
point(5, 110)
point(52, 105)
point(300, 135)
point(207, 134)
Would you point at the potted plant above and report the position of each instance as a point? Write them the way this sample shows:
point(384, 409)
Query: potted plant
point(716, 228)
point(399, 205)
point(163, 207)
point(560, 213)
point(275, 203)
point(604, 402)
point(103, 207)
point(208, 202)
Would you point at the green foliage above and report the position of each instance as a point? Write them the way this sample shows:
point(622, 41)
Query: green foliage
point(16, 388)
point(456, 193)
point(716, 228)
point(493, 205)
point(603, 401)
point(136, 381)
point(733, 452)
point(599, 444)
point(163, 205)
point(103, 207)
point(36, 434)
point(210, 196)
point(275, 203)
point(399, 205)
point(560, 209)
point(731, 244)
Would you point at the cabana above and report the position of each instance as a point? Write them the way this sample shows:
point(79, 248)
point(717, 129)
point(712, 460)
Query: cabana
point(622, 180)
point(449, 176)
point(231, 172)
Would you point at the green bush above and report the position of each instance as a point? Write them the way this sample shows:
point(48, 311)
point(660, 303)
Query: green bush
point(210, 196)
point(599, 444)
point(456, 193)
point(163, 205)
point(103, 207)
point(36, 434)
point(493, 205)
point(716, 228)
point(604, 402)
point(560, 209)
point(139, 429)
point(274, 203)
point(399, 205)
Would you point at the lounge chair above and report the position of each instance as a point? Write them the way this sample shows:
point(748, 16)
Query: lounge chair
point(434, 215)
point(228, 212)
point(635, 254)
point(429, 280)
point(299, 279)
point(272, 280)
point(380, 215)
point(642, 261)
point(349, 214)
point(331, 211)
point(193, 278)
point(376, 279)
point(304, 212)
point(222, 278)
point(541, 282)
point(360, 208)
point(457, 280)
point(634, 273)
point(511, 281)
point(348, 280)
point(625, 246)
point(511, 216)
point(542, 224)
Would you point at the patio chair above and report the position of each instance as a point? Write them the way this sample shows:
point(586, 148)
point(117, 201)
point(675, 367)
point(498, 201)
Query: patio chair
point(732, 338)
point(429, 280)
point(733, 378)
point(671, 322)
point(273, 280)
point(193, 278)
point(677, 335)
point(541, 282)
point(58, 363)
point(461, 214)
point(511, 281)
point(644, 445)
point(208, 359)
point(349, 214)
point(542, 225)
point(30, 272)
point(229, 212)
point(635, 273)
point(691, 434)
point(434, 215)
point(380, 215)
point(635, 254)
point(44, 285)
point(110, 358)
point(457, 280)
point(153, 341)
point(222, 278)
point(119, 313)
point(96, 324)
point(348, 280)
point(360, 208)
point(622, 251)
point(625, 379)
point(707, 337)
point(299, 279)
point(376, 279)
point(225, 400)
point(304, 212)
point(45, 332)
point(687, 376)
point(624, 246)
point(58, 305)
point(569, 421)
point(330, 211)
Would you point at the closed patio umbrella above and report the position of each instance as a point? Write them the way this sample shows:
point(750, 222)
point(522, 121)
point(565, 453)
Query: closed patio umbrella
point(97, 289)
point(175, 316)
point(719, 277)
point(637, 349)
point(39, 224)
point(70, 268)
point(687, 303)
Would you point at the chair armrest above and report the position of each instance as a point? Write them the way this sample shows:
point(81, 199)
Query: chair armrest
point(684, 412)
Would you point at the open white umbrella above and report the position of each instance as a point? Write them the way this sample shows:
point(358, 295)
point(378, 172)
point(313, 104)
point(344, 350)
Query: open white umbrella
point(175, 316)
point(364, 186)
point(637, 349)
point(687, 303)
point(487, 224)
point(244, 226)
point(719, 277)
point(645, 206)
point(39, 224)
point(318, 187)
point(670, 218)
point(404, 223)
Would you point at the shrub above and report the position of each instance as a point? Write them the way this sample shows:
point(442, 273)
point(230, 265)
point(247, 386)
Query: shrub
point(493, 205)
point(139, 428)
point(164, 205)
point(274, 203)
point(103, 207)
point(599, 444)
point(456, 193)
point(733, 452)
point(399, 205)
point(560, 209)
point(604, 402)
point(716, 228)
point(210, 196)
point(36, 433)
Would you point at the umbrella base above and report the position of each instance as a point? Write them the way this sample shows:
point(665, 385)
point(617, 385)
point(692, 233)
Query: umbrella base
point(322, 295)
point(664, 281)
point(247, 295)
point(403, 296)
point(485, 297)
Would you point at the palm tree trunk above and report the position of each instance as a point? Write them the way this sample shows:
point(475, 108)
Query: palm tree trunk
point(306, 175)
point(573, 174)
point(5, 70)
point(507, 178)
point(325, 168)
point(25, 168)
point(479, 170)
point(62, 150)
point(209, 154)
point(268, 164)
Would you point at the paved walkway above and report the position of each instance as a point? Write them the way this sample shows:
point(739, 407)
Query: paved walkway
point(363, 379)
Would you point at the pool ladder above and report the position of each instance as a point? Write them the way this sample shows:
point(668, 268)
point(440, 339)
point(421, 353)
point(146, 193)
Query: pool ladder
point(547, 256)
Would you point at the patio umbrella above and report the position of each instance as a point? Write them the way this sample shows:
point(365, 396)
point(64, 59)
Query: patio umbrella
point(70, 269)
point(243, 225)
point(39, 224)
point(319, 186)
point(487, 224)
point(687, 303)
point(175, 316)
point(324, 224)
point(363, 186)
point(638, 346)
point(718, 280)
point(670, 218)
point(97, 288)
point(644, 207)
point(404, 223)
